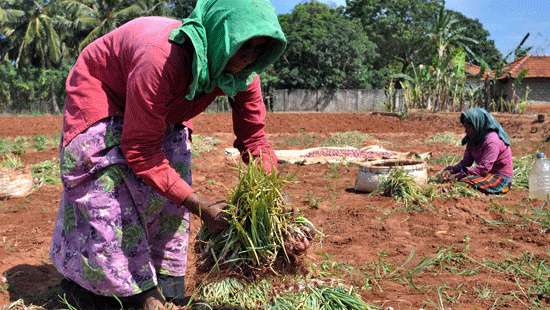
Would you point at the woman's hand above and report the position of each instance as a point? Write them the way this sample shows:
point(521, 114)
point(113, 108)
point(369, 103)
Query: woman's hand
point(212, 213)
point(215, 217)
point(446, 175)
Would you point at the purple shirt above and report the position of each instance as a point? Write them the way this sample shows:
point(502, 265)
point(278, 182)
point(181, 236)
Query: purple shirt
point(492, 156)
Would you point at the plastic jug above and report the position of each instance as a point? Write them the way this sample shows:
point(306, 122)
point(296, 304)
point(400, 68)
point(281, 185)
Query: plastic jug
point(539, 178)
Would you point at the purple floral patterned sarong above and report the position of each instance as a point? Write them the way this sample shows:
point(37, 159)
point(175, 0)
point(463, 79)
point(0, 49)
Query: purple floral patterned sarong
point(114, 234)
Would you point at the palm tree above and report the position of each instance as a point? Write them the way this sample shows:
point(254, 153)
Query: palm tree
point(8, 18)
point(102, 16)
point(32, 32)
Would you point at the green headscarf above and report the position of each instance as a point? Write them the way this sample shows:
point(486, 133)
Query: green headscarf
point(217, 29)
point(483, 123)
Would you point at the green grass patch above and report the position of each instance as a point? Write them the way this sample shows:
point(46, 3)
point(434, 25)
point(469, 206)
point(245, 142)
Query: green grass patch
point(40, 142)
point(445, 138)
point(302, 139)
point(333, 171)
point(457, 190)
point(312, 200)
point(381, 269)
point(46, 172)
point(522, 166)
point(54, 140)
point(447, 295)
point(203, 144)
point(15, 146)
point(21, 144)
point(445, 160)
point(531, 275)
point(445, 259)
point(496, 207)
point(541, 217)
point(348, 138)
point(328, 267)
point(11, 161)
point(484, 292)
point(12, 146)
point(491, 222)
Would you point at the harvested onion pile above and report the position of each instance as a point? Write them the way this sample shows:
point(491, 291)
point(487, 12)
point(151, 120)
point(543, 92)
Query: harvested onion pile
point(232, 293)
point(320, 298)
point(260, 223)
point(338, 152)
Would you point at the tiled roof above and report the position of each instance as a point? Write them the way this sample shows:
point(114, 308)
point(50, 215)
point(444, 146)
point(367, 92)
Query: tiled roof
point(471, 69)
point(536, 66)
point(474, 70)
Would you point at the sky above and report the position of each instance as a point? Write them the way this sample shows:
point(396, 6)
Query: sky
point(506, 20)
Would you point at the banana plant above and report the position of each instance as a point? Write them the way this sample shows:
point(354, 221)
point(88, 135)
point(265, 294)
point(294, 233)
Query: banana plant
point(440, 85)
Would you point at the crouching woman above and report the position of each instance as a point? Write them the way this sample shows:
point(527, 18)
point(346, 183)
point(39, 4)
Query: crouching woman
point(488, 146)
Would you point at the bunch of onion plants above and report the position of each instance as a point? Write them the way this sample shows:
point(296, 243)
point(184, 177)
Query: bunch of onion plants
point(260, 224)
point(403, 188)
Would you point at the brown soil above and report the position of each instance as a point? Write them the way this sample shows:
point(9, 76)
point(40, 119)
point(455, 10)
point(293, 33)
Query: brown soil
point(359, 229)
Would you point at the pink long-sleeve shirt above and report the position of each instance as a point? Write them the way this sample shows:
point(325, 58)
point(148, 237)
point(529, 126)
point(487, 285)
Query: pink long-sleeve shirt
point(492, 156)
point(134, 72)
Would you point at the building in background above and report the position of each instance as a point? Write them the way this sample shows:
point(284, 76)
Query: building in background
point(528, 73)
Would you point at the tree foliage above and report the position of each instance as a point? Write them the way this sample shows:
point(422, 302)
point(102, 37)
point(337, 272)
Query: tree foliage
point(325, 50)
point(359, 45)
point(182, 8)
point(97, 17)
point(485, 47)
point(400, 29)
point(441, 85)
point(32, 32)
point(397, 27)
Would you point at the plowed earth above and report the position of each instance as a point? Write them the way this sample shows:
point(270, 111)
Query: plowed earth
point(370, 241)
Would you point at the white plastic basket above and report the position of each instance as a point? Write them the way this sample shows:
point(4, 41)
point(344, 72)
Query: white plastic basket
point(371, 174)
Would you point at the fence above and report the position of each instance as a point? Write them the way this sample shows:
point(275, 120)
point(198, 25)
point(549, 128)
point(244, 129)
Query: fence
point(343, 100)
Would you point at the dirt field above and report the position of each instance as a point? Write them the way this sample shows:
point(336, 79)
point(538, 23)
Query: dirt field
point(460, 253)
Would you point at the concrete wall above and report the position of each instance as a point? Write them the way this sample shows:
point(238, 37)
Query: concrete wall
point(345, 100)
point(539, 89)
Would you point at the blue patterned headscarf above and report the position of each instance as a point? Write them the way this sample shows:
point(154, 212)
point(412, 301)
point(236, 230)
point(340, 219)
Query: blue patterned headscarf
point(482, 122)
